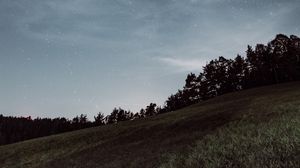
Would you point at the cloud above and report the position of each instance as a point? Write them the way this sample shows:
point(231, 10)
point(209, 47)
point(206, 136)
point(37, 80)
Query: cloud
point(184, 65)
point(157, 42)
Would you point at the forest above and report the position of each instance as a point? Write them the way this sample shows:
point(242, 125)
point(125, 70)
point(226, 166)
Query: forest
point(276, 62)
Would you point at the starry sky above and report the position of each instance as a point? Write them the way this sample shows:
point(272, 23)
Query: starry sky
point(64, 58)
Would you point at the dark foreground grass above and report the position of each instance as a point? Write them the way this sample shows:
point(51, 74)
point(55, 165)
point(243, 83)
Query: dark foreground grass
point(247, 143)
point(253, 128)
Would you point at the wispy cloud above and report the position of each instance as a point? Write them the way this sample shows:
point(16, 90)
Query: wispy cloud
point(184, 65)
point(107, 42)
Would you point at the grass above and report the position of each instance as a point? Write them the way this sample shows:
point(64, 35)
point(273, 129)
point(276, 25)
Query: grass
point(253, 128)
point(247, 143)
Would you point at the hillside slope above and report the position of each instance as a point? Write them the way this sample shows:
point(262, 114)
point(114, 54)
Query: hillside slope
point(253, 128)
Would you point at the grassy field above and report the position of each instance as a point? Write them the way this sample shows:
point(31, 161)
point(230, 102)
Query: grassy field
point(253, 128)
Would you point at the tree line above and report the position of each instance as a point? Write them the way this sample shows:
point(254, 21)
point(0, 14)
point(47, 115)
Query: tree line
point(15, 129)
point(276, 62)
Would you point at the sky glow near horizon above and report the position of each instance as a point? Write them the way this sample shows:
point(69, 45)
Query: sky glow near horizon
point(65, 58)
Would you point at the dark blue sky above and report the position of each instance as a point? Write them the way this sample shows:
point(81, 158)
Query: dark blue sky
point(64, 58)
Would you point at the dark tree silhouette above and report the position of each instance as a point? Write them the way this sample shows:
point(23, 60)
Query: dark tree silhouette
point(190, 90)
point(238, 73)
point(150, 110)
point(99, 119)
point(142, 113)
point(276, 62)
point(113, 117)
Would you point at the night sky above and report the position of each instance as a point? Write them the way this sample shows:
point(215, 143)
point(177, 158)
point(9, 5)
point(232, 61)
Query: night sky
point(63, 58)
